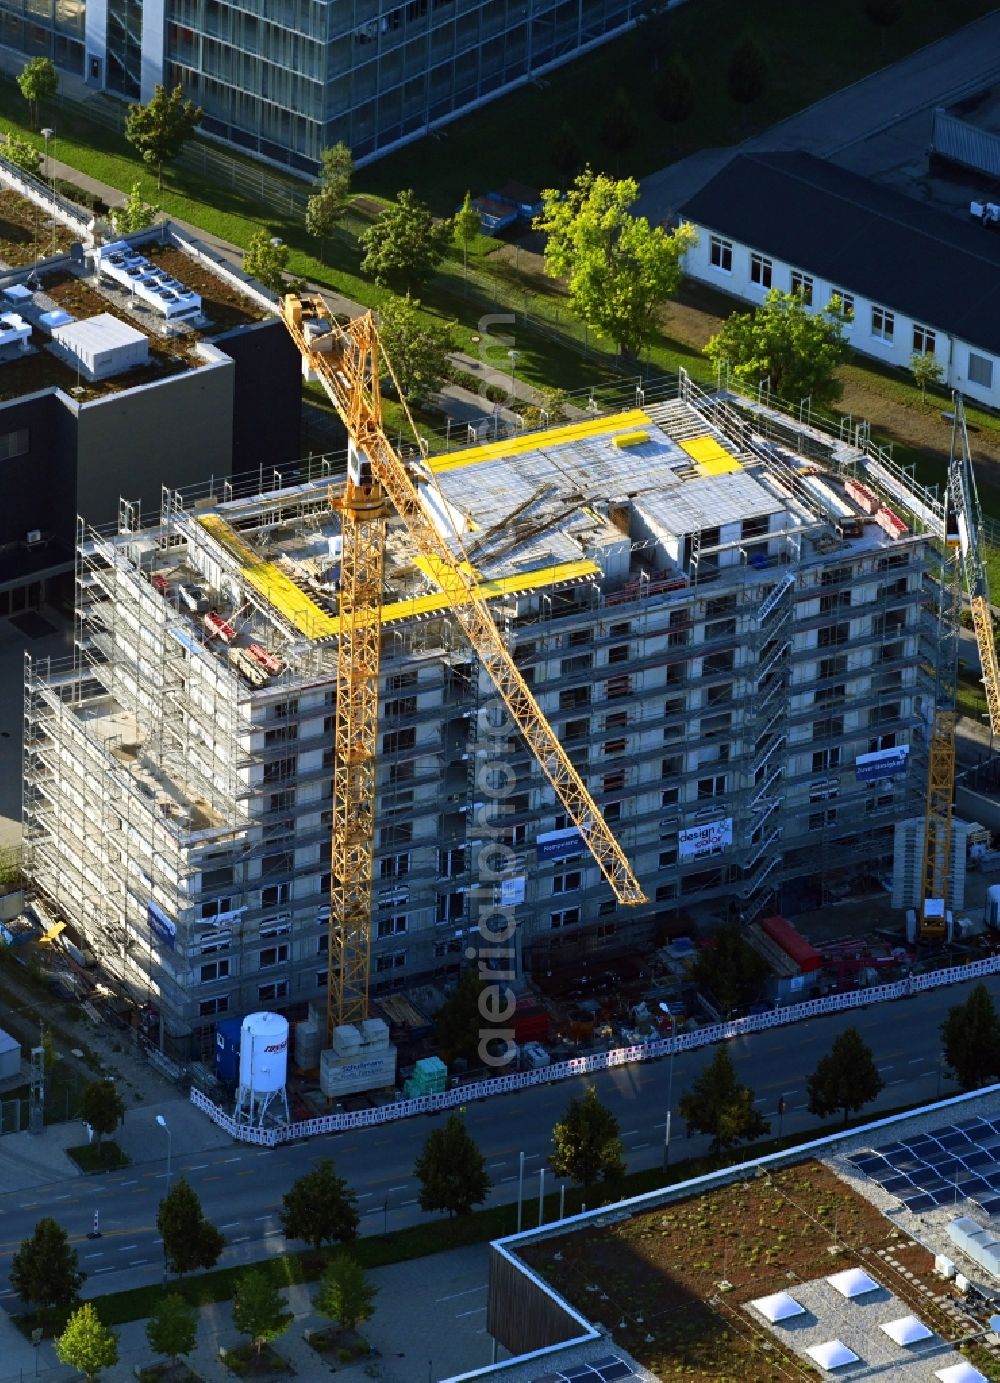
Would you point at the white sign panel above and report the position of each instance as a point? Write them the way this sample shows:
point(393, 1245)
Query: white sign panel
point(710, 839)
point(511, 892)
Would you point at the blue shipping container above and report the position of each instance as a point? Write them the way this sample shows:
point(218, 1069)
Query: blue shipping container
point(227, 1050)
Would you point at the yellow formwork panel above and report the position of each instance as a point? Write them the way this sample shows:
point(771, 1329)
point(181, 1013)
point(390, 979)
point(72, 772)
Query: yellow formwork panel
point(538, 441)
point(710, 456)
point(489, 590)
point(291, 601)
point(629, 439)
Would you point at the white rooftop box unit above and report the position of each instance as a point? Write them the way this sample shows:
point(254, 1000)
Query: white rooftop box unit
point(101, 346)
point(10, 1056)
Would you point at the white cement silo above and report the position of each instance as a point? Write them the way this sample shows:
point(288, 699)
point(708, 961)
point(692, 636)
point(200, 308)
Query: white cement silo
point(263, 1065)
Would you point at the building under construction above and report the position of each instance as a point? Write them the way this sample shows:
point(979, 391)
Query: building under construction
point(733, 625)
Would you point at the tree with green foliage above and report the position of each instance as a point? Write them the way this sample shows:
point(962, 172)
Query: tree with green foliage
point(135, 213)
point(23, 153)
point(719, 1106)
point(39, 81)
point(883, 14)
point(45, 1271)
point(325, 208)
point(747, 73)
point(588, 1147)
point(320, 1208)
point(102, 1107)
point(619, 126)
point(258, 1310)
point(618, 268)
point(567, 155)
point(86, 1343)
point(172, 1329)
point(730, 970)
point(190, 1241)
point(458, 1022)
point(971, 1040)
point(547, 410)
point(846, 1079)
point(266, 259)
point(925, 369)
point(416, 348)
point(799, 351)
point(452, 1170)
point(674, 92)
point(467, 226)
point(160, 129)
point(405, 245)
point(346, 1293)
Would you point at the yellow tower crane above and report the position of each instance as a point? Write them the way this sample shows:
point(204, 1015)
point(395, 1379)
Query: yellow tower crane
point(348, 362)
point(963, 537)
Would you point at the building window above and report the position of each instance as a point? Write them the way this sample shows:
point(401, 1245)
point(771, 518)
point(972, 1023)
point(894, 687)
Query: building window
point(390, 926)
point(395, 960)
point(924, 340)
point(394, 866)
point(273, 955)
point(399, 741)
point(818, 821)
point(208, 1007)
point(217, 970)
point(883, 324)
point(721, 253)
point(567, 883)
point(322, 979)
point(842, 306)
point(568, 917)
point(450, 907)
point(760, 270)
point(267, 993)
point(14, 444)
point(802, 286)
point(980, 370)
point(712, 787)
point(275, 895)
point(452, 947)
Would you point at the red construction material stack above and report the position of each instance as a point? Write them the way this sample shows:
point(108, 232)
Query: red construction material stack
point(783, 934)
point(862, 496)
point(892, 523)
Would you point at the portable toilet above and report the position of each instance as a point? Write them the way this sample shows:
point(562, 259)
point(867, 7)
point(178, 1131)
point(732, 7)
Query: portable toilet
point(227, 1050)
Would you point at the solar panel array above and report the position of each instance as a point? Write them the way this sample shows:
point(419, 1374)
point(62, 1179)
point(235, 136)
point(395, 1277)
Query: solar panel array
point(952, 1163)
point(610, 1369)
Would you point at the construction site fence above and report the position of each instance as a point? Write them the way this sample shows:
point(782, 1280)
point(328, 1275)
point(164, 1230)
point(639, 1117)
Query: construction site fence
point(589, 1065)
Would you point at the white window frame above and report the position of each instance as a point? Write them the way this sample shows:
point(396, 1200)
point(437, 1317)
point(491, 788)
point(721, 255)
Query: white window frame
point(761, 270)
point(387, 927)
point(282, 951)
point(566, 917)
point(720, 254)
point(273, 990)
point(846, 313)
point(803, 285)
point(392, 960)
point(883, 324)
point(569, 882)
point(924, 340)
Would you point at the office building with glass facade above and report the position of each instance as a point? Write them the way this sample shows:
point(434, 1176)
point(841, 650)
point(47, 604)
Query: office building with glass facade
point(286, 79)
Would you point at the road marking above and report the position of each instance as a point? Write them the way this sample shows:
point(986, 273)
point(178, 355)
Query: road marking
point(133, 1182)
point(413, 1202)
point(244, 1239)
point(233, 1224)
point(136, 1262)
point(510, 1178)
point(199, 1167)
point(232, 1159)
point(886, 1068)
point(453, 1296)
point(916, 1061)
point(103, 1270)
point(636, 1146)
point(124, 1248)
point(31, 1205)
point(94, 1255)
point(363, 1195)
point(897, 1082)
point(60, 1198)
point(246, 1174)
point(395, 1188)
point(630, 1133)
point(212, 1178)
point(474, 1312)
point(496, 1164)
point(269, 1232)
point(262, 1217)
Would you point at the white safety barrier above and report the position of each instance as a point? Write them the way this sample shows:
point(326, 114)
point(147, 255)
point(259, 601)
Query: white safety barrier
point(600, 1061)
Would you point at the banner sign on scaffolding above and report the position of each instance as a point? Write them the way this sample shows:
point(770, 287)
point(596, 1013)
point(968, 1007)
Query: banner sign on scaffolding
point(711, 839)
point(883, 764)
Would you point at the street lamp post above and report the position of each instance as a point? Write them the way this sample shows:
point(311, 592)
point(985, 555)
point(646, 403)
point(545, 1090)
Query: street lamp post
point(164, 1126)
point(48, 134)
point(665, 1008)
point(513, 368)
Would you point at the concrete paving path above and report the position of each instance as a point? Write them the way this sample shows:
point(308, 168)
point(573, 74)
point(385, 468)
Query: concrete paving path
point(933, 76)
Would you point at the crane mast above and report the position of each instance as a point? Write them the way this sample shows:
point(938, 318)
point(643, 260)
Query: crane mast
point(347, 361)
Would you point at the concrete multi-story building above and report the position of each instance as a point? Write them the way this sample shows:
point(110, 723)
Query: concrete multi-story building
point(733, 652)
point(285, 81)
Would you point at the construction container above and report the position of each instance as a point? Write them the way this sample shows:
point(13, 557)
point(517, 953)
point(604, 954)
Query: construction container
point(531, 1022)
point(227, 1050)
point(358, 1059)
point(308, 1043)
point(10, 1056)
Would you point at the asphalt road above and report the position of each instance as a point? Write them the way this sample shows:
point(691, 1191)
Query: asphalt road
point(241, 1187)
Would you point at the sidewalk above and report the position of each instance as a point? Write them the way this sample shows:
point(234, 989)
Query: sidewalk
point(429, 1323)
